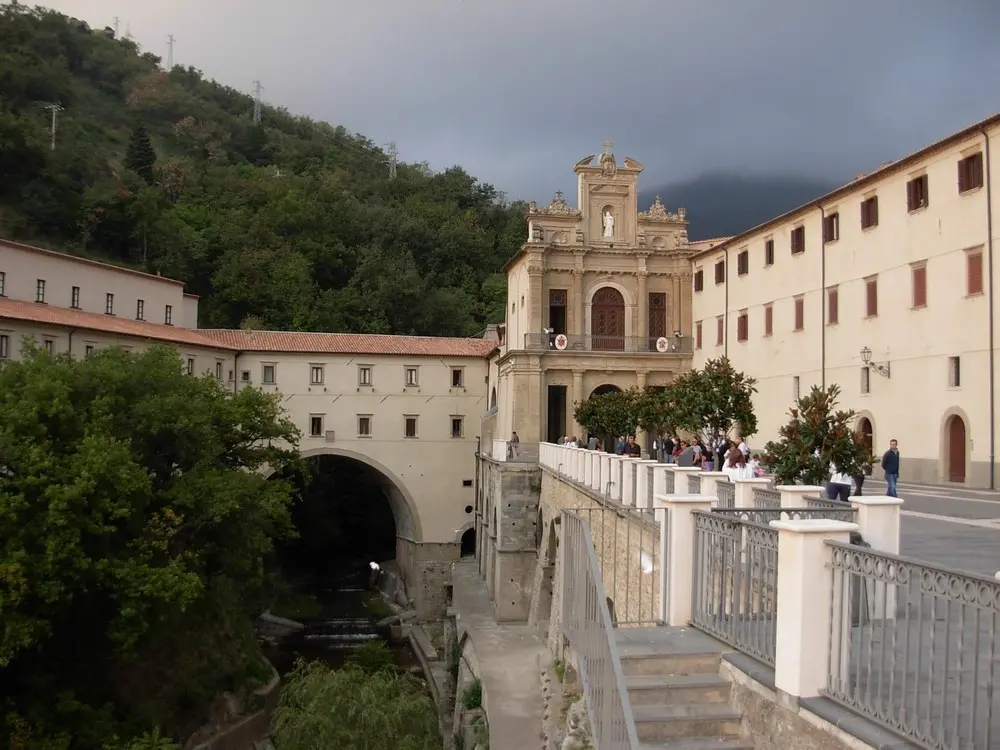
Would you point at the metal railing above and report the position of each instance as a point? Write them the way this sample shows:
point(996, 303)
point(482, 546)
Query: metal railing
point(735, 582)
point(587, 626)
point(623, 344)
point(627, 544)
point(766, 515)
point(764, 498)
point(822, 502)
point(726, 492)
point(913, 647)
point(694, 484)
point(671, 483)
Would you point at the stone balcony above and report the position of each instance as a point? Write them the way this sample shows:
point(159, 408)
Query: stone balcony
point(672, 345)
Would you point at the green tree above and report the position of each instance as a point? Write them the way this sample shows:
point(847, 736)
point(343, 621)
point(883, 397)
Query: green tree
point(715, 399)
point(140, 156)
point(815, 424)
point(609, 415)
point(657, 412)
point(135, 516)
point(353, 708)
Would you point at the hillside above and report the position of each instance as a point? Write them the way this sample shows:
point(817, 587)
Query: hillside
point(289, 224)
point(725, 204)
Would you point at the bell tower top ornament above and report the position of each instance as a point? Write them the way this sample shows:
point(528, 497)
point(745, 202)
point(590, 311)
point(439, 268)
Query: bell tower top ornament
point(608, 165)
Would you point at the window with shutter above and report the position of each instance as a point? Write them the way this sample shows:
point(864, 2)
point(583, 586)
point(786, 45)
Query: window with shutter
point(798, 240)
point(697, 335)
point(920, 286)
point(720, 331)
point(742, 327)
point(970, 172)
point(720, 272)
point(699, 280)
point(768, 320)
point(916, 193)
point(743, 263)
point(800, 314)
point(974, 273)
point(831, 227)
point(832, 306)
point(871, 298)
point(768, 252)
point(869, 213)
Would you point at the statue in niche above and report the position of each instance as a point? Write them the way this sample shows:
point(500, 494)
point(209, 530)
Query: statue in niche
point(609, 223)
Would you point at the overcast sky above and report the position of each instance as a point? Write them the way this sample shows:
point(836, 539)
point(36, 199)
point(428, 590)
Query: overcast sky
point(516, 91)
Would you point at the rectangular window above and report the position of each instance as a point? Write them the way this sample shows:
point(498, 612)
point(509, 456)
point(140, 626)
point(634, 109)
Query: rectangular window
point(412, 379)
point(88, 350)
point(50, 346)
point(218, 369)
point(697, 335)
point(798, 240)
point(869, 212)
point(974, 273)
point(866, 380)
point(699, 280)
point(557, 310)
point(871, 298)
point(832, 305)
point(4, 346)
point(954, 372)
point(917, 196)
point(74, 298)
point(245, 376)
point(410, 426)
point(268, 374)
point(831, 227)
point(40, 290)
point(795, 388)
point(457, 427)
point(743, 263)
point(189, 368)
point(364, 425)
point(800, 313)
point(109, 304)
point(768, 252)
point(140, 309)
point(315, 425)
point(768, 320)
point(316, 374)
point(970, 172)
point(919, 275)
point(365, 375)
point(720, 272)
point(168, 315)
point(720, 330)
point(742, 326)
point(457, 377)
point(3, 283)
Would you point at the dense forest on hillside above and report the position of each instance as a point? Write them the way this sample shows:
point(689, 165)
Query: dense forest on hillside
point(289, 223)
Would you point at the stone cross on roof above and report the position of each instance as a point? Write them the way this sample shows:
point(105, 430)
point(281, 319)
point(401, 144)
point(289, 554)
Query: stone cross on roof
point(608, 145)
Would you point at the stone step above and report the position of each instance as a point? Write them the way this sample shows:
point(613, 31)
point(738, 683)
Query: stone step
point(709, 721)
point(651, 689)
point(699, 743)
point(640, 659)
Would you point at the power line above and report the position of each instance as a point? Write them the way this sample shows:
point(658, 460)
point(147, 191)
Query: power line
point(257, 89)
point(170, 52)
point(55, 109)
point(393, 154)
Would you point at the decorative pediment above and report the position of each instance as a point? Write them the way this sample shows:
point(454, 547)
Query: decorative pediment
point(657, 212)
point(585, 161)
point(631, 163)
point(558, 207)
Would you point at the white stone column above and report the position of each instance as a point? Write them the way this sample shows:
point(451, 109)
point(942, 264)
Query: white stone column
point(744, 490)
point(605, 473)
point(794, 495)
point(628, 480)
point(595, 471)
point(659, 480)
point(615, 477)
point(588, 468)
point(677, 543)
point(681, 474)
point(709, 480)
point(878, 520)
point(644, 482)
point(806, 604)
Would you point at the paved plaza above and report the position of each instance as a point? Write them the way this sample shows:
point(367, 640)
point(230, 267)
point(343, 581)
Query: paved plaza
point(949, 526)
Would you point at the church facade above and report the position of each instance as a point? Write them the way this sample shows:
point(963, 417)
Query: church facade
point(598, 299)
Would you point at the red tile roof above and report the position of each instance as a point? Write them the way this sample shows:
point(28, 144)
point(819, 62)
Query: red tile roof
point(350, 343)
point(33, 312)
point(86, 261)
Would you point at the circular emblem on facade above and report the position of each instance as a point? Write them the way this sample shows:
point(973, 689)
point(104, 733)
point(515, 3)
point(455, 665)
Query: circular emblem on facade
point(662, 344)
point(561, 341)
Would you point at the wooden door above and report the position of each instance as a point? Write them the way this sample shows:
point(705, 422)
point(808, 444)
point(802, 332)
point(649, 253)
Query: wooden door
point(956, 450)
point(607, 320)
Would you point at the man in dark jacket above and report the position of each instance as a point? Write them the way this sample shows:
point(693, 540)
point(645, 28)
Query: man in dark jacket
point(890, 465)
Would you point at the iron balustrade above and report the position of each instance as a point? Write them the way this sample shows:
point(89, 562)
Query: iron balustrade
point(822, 502)
point(624, 344)
point(913, 647)
point(766, 515)
point(587, 626)
point(671, 484)
point(765, 498)
point(694, 484)
point(726, 492)
point(627, 544)
point(735, 582)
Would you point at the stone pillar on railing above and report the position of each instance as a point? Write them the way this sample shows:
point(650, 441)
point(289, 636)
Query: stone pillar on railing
point(878, 520)
point(644, 469)
point(673, 516)
point(744, 490)
point(659, 480)
point(709, 479)
point(681, 474)
point(588, 468)
point(615, 477)
point(595, 471)
point(805, 596)
point(605, 473)
point(581, 455)
point(794, 495)
point(628, 480)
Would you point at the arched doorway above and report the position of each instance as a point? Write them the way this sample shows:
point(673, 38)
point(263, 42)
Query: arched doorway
point(469, 543)
point(607, 320)
point(606, 388)
point(867, 433)
point(956, 437)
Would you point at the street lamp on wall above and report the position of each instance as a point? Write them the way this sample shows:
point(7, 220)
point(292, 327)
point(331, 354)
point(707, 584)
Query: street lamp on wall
point(879, 367)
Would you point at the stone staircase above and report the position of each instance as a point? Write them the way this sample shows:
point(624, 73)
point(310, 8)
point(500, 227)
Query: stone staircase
point(679, 700)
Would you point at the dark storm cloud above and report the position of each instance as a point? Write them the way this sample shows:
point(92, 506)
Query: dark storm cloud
point(516, 91)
